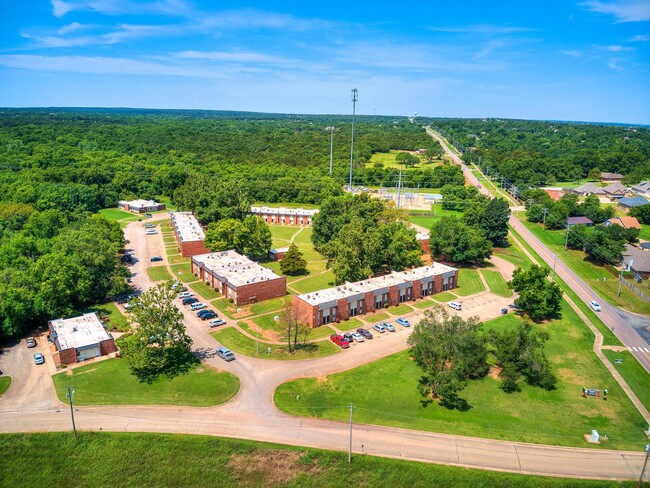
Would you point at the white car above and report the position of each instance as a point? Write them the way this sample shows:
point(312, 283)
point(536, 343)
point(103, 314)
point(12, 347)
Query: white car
point(357, 337)
point(185, 294)
point(198, 306)
point(595, 306)
point(151, 232)
point(216, 322)
point(455, 305)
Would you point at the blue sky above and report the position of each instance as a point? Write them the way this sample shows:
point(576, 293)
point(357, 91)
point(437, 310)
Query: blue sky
point(555, 59)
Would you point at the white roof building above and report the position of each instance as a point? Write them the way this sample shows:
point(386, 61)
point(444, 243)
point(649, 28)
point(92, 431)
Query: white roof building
point(233, 268)
point(300, 212)
point(79, 332)
point(186, 226)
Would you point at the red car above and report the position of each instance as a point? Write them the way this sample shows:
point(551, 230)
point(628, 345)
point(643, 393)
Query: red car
point(339, 341)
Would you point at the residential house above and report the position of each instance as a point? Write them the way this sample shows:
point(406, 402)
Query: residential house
point(642, 188)
point(571, 221)
point(636, 260)
point(615, 191)
point(589, 189)
point(625, 222)
point(626, 203)
point(611, 177)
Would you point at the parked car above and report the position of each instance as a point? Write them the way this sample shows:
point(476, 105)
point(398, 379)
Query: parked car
point(148, 215)
point(595, 306)
point(403, 322)
point(225, 354)
point(185, 294)
point(38, 358)
point(348, 337)
point(149, 226)
point(189, 300)
point(151, 232)
point(357, 337)
point(216, 322)
point(31, 342)
point(389, 327)
point(198, 306)
point(156, 258)
point(209, 315)
point(379, 328)
point(339, 341)
point(455, 305)
point(365, 333)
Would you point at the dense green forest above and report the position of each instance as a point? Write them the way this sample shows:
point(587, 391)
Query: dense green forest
point(530, 153)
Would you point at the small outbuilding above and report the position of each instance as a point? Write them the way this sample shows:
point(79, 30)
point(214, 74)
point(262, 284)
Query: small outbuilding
point(140, 206)
point(571, 221)
point(80, 338)
point(278, 253)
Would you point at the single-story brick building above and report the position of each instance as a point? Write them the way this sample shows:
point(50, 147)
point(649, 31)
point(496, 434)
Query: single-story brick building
point(423, 239)
point(80, 338)
point(278, 253)
point(345, 301)
point(140, 206)
point(237, 277)
point(188, 233)
point(287, 216)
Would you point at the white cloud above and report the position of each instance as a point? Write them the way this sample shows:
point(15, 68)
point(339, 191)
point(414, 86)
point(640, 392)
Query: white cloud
point(640, 38)
point(614, 63)
point(482, 29)
point(617, 48)
point(622, 10)
point(574, 53)
point(117, 7)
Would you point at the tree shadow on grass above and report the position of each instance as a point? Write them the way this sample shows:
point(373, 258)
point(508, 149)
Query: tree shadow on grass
point(307, 347)
point(177, 362)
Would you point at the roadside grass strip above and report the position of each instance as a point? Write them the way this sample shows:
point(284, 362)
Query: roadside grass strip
point(239, 343)
point(159, 273)
point(497, 283)
point(110, 382)
point(469, 282)
point(633, 373)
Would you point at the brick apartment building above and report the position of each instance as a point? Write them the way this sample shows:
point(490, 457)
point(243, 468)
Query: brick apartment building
point(140, 206)
point(345, 301)
point(80, 338)
point(237, 277)
point(189, 234)
point(286, 216)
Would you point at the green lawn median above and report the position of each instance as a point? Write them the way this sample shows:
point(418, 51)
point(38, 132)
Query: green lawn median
point(110, 382)
point(469, 282)
point(497, 283)
point(5, 382)
point(159, 273)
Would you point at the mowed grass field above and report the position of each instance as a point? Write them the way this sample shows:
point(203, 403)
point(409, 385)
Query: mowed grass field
point(5, 382)
point(633, 373)
point(110, 382)
point(385, 392)
point(101, 459)
point(497, 283)
point(469, 282)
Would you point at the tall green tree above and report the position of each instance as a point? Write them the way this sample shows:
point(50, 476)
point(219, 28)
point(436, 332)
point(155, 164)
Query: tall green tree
point(158, 344)
point(538, 296)
point(454, 241)
point(257, 240)
point(293, 264)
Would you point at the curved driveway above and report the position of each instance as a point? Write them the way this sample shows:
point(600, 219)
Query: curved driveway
point(252, 414)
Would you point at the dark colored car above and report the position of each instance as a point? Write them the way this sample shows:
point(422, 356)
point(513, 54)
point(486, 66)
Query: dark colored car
point(156, 258)
point(209, 315)
point(339, 341)
point(348, 337)
point(365, 333)
point(189, 300)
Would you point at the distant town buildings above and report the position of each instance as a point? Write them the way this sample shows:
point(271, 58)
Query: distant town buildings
point(140, 206)
point(351, 299)
point(286, 216)
point(238, 278)
point(80, 338)
point(611, 177)
point(188, 233)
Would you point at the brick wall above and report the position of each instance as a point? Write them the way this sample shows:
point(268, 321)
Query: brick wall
point(264, 290)
point(424, 245)
point(107, 347)
point(305, 312)
point(193, 248)
point(68, 356)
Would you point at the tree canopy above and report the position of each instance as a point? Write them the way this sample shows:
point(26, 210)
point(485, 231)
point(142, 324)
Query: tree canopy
point(539, 297)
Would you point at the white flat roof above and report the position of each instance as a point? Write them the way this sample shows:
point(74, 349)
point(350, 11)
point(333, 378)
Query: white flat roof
point(187, 227)
point(284, 211)
point(393, 279)
point(235, 268)
point(79, 332)
point(139, 203)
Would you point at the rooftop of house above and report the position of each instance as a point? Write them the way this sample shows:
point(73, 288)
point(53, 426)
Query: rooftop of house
point(371, 284)
point(579, 220)
point(636, 201)
point(238, 270)
point(626, 222)
point(187, 227)
point(615, 188)
point(640, 258)
point(589, 188)
point(642, 187)
point(611, 176)
point(139, 203)
point(555, 195)
point(79, 332)
point(284, 211)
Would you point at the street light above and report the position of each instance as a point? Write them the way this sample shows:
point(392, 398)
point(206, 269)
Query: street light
point(331, 129)
point(355, 97)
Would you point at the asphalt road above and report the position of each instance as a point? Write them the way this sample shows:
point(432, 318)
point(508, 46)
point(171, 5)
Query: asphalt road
point(626, 326)
point(253, 415)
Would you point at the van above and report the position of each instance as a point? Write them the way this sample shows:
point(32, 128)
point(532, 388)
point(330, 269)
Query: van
point(455, 305)
point(198, 306)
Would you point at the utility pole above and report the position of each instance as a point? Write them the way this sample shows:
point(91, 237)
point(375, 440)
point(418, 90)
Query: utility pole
point(70, 394)
point(350, 448)
point(544, 222)
point(620, 275)
point(645, 463)
point(331, 128)
point(399, 187)
point(257, 342)
point(566, 238)
point(355, 97)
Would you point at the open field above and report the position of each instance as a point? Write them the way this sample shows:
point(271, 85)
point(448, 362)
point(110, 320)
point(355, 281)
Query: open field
point(110, 382)
point(98, 459)
point(5, 382)
point(117, 214)
point(239, 343)
point(388, 159)
point(497, 283)
point(110, 315)
point(592, 273)
point(469, 282)
point(514, 255)
point(313, 283)
point(266, 322)
point(159, 273)
point(183, 272)
point(633, 373)
point(427, 219)
point(385, 392)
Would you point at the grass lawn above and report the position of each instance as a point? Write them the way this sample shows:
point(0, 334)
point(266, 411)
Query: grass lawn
point(177, 259)
point(469, 282)
point(422, 304)
point(98, 459)
point(159, 273)
point(400, 309)
point(376, 317)
point(444, 297)
point(633, 373)
point(590, 271)
point(313, 283)
point(497, 283)
point(239, 343)
point(388, 159)
point(645, 232)
point(204, 290)
point(349, 324)
point(110, 382)
point(274, 304)
point(282, 234)
point(169, 240)
point(427, 219)
point(110, 315)
point(183, 272)
point(385, 392)
point(5, 381)
point(513, 254)
point(116, 214)
point(225, 307)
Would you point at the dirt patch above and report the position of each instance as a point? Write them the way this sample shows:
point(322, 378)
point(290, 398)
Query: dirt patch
point(321, 380)
point(270, 468)
point(495, 372)
point(269, 335)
